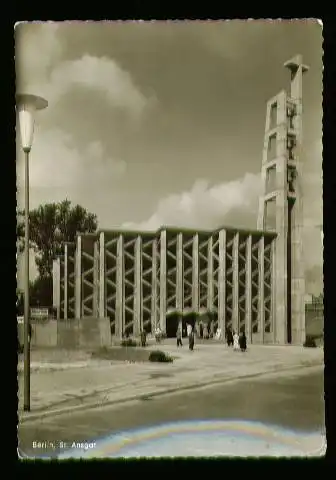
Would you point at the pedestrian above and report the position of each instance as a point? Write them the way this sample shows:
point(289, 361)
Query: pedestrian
point(189, 329)
point(143, 337)
point(235, 341)
point(158, 335)
point(201, 330)
point(242, 342)
point(229, 337)
point(29, 332)
point(191, 341)
point(179, 337)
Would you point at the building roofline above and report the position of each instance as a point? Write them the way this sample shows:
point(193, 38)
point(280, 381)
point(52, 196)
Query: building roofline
point(174, 229)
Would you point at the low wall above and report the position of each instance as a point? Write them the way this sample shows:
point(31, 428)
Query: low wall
point(68, 333)
point(44, 334)
point(84, 333)
point(314, 322)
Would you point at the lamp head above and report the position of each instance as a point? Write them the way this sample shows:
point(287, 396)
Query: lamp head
point(26, 106)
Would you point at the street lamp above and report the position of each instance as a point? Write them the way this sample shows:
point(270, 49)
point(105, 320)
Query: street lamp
point(26, 107)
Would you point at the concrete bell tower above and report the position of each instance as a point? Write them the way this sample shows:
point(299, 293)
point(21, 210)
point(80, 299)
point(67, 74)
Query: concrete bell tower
point(280, 207)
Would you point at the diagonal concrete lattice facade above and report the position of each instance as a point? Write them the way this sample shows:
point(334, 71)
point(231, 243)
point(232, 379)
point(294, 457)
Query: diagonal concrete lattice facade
point(135, 278)
point(248, 280)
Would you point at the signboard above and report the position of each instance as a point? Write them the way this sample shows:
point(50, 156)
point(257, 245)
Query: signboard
point(39, 312)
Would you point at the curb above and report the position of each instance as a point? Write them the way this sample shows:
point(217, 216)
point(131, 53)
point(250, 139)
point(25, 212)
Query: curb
point(30, 417)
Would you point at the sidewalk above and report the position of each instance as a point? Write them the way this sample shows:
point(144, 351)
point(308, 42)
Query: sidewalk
point(60, 386)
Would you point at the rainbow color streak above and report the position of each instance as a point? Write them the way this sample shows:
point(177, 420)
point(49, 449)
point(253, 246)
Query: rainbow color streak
point(203, 439)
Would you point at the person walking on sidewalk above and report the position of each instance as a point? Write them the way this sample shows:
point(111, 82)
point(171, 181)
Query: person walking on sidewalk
point(242, 341)
point(29, 332)
point(191, 341)
point(143, 337)
point(189, 329)
point(229, 337)
point(179, 337)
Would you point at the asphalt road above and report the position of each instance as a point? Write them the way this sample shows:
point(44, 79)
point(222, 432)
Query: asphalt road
point(290, 402)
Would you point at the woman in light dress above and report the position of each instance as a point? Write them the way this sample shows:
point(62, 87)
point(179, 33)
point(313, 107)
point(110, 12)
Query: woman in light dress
point(235, 341)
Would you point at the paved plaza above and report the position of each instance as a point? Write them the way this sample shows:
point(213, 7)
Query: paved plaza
point(64, 381)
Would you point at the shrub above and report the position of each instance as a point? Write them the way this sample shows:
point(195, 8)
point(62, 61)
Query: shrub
point(128, 342)
point(310, 342)
point(158, 356)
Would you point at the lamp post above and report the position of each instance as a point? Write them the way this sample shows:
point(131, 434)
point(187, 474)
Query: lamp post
point(26, 107)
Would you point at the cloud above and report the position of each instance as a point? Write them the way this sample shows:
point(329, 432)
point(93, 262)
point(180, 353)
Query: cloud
point(37, 48)
point(41, 70)
point(56, 159)
point(233, 204)
point(101, 74)
point(57, 163)
point(206, 206)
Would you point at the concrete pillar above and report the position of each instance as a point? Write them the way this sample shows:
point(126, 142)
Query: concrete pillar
point(154, 286)
point(95, 278)
point(57, 286)
point(210, 276)
point(289, 281)
point(78, 279)
point(195, 274)
point(179, 272)
point(273, 291)
point(297, 285)
point(279, 195)
point(261, 315)
point(120, 294)
point(281, 287)
point(235, 265)
point(222, 281)
point(66, 253)
point(138, 287)
point(248, 292)
point(163, 279)
point(102, 275)
point(282, 311)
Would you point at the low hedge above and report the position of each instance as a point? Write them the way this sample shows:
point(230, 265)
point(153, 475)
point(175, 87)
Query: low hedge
point(159, 356)
point(128, 342)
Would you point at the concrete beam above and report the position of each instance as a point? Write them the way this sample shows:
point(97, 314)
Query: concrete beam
point(78, 279)
point(195, 274)
point(137, 326)
point(120, 294)
point(95, 278)
point(163, 279)
point(235, 265)
point(102, 295)
point(66, 256)
point(57, 286)
point(273, 287)
point(179, 272)
point(154, 286)
point(222, 281)
point(261, 290)
point(248, 291)
point(210, 279)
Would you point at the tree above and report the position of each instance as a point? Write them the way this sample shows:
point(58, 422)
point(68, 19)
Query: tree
point(41, 292)
point(51, 225)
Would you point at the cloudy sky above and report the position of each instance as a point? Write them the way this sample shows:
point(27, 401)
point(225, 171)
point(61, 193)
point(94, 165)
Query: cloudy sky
point(163, 122)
